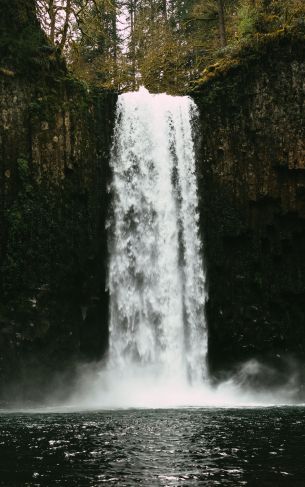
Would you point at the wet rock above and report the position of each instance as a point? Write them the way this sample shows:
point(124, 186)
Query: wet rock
point(251, 185)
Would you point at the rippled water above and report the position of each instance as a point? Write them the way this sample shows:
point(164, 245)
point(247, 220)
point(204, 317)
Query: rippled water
point(178, 447)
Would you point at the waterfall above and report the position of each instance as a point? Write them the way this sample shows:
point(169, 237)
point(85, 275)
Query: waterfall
point(158, 339)
point(156, 276)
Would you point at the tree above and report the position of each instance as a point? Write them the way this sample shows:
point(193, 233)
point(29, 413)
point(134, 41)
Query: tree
point(222, 27)
point(164, 44)
point(57, 18)
point(94, 52)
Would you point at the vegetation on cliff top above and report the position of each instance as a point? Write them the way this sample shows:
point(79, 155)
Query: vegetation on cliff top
point(240, 56)
point(121, 44)
point(24, 47)
point(164, 44)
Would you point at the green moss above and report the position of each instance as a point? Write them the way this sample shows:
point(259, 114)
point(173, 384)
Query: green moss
point(24, 48)
point(7, 72)
point(23, 168)
point(248, 21)
point(46, 230)
point(45, 106)
point(253, 51)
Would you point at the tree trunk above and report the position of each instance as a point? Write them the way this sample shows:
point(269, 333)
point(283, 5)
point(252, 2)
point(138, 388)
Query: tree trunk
point(66, 25)
point(266, 4)
point(115, 44)
point(52, 15)
point(133, 44)
point(164, 9)
point(222, 26)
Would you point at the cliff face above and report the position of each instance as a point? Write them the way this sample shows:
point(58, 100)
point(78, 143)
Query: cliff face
point(252, 203)
point(55, 141)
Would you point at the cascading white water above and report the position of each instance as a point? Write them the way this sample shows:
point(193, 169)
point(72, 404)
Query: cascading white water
point(156, 277)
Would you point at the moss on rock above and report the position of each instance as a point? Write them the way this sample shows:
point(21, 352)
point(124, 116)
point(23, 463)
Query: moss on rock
point(251, 179)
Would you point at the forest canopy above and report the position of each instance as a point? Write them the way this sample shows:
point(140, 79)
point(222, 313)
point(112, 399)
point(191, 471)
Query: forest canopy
point(163, 44)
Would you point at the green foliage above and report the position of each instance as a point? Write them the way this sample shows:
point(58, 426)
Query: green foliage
point(23, 169)
point(248, 20)
point(268, 16)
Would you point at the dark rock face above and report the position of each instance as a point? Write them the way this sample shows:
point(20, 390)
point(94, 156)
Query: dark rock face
point(55, 143)
point(252, 203)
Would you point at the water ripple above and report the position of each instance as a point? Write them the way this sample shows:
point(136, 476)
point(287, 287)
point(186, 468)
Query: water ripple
point(198, 447)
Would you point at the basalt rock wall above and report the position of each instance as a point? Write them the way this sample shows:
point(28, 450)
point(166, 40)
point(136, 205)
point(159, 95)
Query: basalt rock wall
point(252, 203)
point(55, 141)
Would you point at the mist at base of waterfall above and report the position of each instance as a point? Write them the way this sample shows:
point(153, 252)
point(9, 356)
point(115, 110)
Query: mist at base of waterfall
point(145, 387)
point(99, 387)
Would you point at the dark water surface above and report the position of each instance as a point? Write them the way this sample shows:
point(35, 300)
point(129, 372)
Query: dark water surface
point(178, 447)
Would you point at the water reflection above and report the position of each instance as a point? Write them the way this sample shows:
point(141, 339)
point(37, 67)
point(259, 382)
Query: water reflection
point(254, 447)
